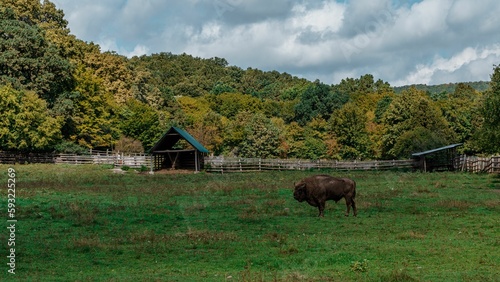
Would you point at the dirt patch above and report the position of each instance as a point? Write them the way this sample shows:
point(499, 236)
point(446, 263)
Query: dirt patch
point(174, 171)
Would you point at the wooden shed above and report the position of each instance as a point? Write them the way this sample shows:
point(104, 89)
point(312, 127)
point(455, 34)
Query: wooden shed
point(437, 159)
point(167, 154)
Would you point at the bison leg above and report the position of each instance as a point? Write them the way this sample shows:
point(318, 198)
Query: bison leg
point(348, 203)
point(321, 208)
point(354, 210)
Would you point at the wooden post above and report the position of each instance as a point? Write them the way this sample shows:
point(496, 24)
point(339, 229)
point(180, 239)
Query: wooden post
point(151, 162)
point(196, 160)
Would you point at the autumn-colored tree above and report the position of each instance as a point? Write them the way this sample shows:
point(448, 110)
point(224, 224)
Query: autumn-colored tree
point(26, 124)
point(114, 73)
point(208, 131)
point(261, 138)
point(94, 123)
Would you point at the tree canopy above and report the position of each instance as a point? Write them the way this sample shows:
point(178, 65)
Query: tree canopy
point(61, 93)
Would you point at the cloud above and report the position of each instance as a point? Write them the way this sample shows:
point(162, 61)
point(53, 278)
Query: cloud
point(471, 64)
point(413, 41)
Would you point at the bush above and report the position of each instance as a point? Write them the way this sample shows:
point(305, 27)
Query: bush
point(67, 147)
point(129, 145)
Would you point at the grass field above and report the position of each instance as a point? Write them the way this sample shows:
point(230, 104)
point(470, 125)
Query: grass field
point(84, 223)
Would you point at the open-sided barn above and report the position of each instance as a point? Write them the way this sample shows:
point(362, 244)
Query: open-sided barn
point(437, 159)
point(169, 154)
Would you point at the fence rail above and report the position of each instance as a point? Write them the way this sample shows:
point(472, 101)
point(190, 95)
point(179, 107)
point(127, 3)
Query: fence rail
point(478, 164)
point(19, 157)
point(134, 161)
point(223, 165)
point(93, 157)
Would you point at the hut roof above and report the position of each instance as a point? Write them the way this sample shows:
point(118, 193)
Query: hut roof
point(436, 150)
point(173, 135)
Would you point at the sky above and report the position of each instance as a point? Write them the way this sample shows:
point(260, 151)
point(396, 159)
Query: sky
point(400, 42)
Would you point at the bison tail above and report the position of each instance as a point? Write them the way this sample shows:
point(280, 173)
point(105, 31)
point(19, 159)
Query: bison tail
point(354, 189)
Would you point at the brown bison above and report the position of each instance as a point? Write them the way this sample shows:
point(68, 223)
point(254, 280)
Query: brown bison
point(318, 189)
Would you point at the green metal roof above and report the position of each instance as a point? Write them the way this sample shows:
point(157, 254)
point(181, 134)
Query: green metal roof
point(172, 136)
point(436, 150)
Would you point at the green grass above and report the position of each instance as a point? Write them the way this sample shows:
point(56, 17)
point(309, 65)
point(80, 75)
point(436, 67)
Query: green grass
point(82, 223)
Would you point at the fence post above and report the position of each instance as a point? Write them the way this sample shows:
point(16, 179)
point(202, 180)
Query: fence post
point(260, 164)
point(151, 165)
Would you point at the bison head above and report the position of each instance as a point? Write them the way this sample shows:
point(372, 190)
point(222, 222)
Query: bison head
point(300, 192)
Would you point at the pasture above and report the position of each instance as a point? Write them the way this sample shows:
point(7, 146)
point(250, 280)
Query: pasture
point(84, 223)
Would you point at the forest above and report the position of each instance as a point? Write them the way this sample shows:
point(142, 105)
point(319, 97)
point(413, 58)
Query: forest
point(61, 94)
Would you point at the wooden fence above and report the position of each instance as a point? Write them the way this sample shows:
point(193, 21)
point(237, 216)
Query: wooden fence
point(22, 158)
point(116, 159)
point(478, 164)
point(223, 165)
point(92, 157)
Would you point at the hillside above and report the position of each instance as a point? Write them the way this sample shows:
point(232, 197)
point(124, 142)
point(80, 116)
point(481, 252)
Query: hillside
point(63, 94)
point(444, 88)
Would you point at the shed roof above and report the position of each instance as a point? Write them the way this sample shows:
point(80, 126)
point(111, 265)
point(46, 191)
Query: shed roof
point(436, 150)
point(173, 135)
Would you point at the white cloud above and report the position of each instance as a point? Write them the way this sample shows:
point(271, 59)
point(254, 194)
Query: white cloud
point(459, 63)
point(414, 41)
point(327, 17)
point(139, 50)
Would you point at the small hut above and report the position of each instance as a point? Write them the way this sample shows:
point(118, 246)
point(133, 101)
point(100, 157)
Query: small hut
point(437, 159)
point(168, 154)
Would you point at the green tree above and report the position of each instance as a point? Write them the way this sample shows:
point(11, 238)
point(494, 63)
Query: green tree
point(349, 127)
point(410, 111)
point(28, 61)
point(230, 104)
point(140, 122)
point(25, 124)
point(461, 110)
point(316, 101)
point(488, 137)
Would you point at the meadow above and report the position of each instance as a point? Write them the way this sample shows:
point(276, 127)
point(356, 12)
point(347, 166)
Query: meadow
point(85, 223)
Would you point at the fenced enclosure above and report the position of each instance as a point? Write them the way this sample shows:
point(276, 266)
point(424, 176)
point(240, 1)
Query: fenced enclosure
point(224, 165)
point(133, 160)
point(478, 164)
point(22, 157)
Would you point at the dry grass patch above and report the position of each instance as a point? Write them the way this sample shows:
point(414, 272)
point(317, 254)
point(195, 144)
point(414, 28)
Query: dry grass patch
point(207, 236)
point(411, 235)
point(495, 203)
point(454, 204)
point(87, 244)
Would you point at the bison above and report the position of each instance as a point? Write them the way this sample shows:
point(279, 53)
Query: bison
point(318, 189)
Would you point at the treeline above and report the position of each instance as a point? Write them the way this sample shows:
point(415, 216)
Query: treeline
point(441, 90)
point(59, 93)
